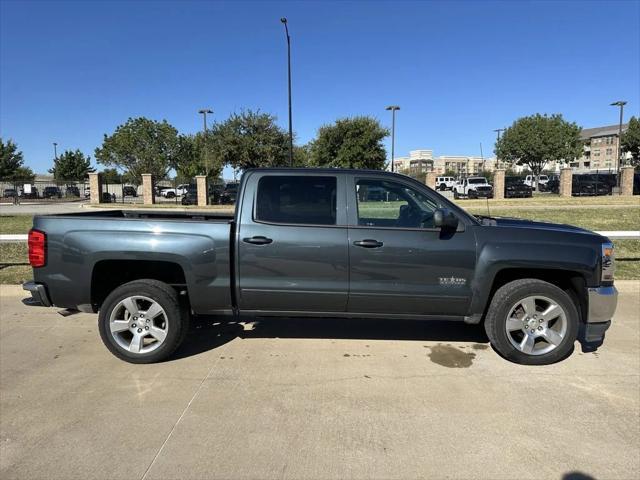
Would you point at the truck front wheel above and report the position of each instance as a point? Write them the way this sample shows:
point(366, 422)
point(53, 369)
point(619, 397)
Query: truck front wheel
point(142, 321)
point(532, 322)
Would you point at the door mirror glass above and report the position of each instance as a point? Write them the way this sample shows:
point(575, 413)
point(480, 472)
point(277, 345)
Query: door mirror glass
point(445, 219)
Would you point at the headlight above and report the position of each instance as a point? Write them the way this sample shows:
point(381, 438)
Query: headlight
point(608, 264)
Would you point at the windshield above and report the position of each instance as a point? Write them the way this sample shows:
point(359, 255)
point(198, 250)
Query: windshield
point(477, 180)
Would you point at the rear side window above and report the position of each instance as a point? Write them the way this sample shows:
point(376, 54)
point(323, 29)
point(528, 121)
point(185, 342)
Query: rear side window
point(297, 199)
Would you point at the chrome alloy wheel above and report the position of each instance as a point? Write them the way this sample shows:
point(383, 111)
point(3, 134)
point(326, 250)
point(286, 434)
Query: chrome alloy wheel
point(536, 325)
point(138, 324)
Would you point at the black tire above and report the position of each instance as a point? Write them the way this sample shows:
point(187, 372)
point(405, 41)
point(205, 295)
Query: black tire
point(507, 296)
point(443, 187)
point(163, 294)
point(171, 195)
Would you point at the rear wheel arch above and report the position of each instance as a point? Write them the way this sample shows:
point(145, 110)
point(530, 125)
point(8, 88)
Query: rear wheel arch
point(107, 275)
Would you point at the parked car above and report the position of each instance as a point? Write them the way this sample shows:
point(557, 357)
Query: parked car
point(191, 195)
point(129, 191)
point(610, 180)
point(228, 196)
point(473, 187)
point(583, 185)
point(514, 187)
point(445, 183)
point(303, 244)
point(31, 193)
point(10, 193)
point(51, 192)
point(530, 180)
point(174, 192)
point(72, 191)
point(636, 183)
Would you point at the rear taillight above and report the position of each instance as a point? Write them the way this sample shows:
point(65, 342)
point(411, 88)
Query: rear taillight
point(37, 248)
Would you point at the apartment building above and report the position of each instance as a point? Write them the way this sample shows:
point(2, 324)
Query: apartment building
point(600, 148)
point(422, 161)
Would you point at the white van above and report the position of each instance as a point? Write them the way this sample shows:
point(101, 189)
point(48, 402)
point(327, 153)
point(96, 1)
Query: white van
point(445, 183)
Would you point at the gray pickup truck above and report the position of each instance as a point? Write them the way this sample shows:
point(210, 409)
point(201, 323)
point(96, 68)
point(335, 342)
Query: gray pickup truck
point(326, 243)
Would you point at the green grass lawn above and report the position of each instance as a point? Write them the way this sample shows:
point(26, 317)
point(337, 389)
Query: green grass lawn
point(603, 218)
point(15, 223)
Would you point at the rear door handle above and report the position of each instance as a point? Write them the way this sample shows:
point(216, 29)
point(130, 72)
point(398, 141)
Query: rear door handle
point(257, 240)
point(368, 243)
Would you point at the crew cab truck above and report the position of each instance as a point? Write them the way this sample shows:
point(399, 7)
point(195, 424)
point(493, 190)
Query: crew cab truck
point(473, 187)
point(326, 243)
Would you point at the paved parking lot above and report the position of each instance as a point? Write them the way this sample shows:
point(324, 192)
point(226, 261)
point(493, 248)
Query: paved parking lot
point(313, 399)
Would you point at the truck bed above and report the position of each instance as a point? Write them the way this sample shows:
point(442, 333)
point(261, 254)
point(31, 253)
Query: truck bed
point(88, 252)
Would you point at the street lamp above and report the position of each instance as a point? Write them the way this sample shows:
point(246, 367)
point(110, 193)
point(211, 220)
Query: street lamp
point(55, 150)
point(204, 112)
point(621, 104)
point(393, 109)
point(286, 30)
point(498, 131)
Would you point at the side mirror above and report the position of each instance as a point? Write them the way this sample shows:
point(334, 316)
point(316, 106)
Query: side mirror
point(445, 219)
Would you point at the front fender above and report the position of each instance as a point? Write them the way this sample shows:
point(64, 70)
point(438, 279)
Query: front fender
point(496, 257)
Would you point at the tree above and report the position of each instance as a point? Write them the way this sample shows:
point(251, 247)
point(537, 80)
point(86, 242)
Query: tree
point(630, 141)
point(350, 143)
point(248, 140)
point(535, 140)
point(12, 163)
point(140, 146)
point(196, 156)
point(71, 166)
point(111, 175)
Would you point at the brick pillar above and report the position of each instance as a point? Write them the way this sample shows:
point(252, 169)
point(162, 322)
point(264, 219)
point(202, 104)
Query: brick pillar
point(565, 182)
point(148, 195)
point(201, 188)
point(498, 184)
point(626, 181)
point(95, 187)
point(430, 180)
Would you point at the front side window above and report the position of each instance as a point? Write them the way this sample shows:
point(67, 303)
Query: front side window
point(297, 199)
point(383, 203)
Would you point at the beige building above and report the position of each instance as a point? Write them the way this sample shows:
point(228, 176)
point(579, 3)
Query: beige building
point(422, 161)
point(600, 148)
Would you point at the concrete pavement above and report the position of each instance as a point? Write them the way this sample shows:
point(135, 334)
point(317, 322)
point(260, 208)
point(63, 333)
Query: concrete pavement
point(312, 399)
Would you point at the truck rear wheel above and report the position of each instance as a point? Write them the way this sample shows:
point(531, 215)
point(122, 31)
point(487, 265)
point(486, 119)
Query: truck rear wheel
point(142, 321)
point(532, 322)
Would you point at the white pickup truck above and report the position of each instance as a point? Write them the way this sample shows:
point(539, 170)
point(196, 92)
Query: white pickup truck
point(174, 192)
point(530, 180)
point(473, 187)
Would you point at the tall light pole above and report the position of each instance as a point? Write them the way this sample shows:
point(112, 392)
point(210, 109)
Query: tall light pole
point(286, 30)
point(621, 104)
point(393, 109)
point(55, 150)
point(203, 112)
point(498, 131)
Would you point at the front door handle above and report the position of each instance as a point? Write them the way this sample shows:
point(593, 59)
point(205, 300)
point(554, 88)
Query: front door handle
point(368, 243)
point(260, 240)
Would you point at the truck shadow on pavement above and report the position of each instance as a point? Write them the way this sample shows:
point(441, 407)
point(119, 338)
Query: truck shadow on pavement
point(207, 333)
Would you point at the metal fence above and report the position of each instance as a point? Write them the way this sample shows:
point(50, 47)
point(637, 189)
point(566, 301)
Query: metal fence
point(41, 191)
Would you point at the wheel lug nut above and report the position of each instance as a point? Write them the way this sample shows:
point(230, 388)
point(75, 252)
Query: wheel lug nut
point(533, 331)
point(139, 330)
point(147, 320)
point(146, 328)
point(134, 325)
point(540, 327)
